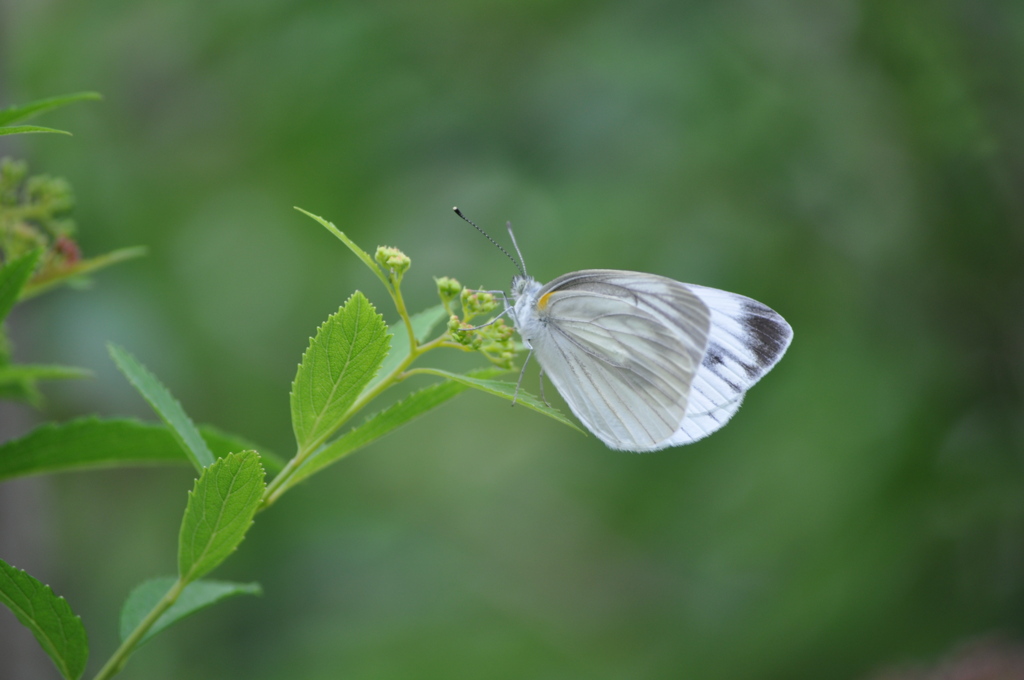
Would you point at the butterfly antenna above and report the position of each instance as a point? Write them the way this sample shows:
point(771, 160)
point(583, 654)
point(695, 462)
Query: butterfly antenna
point(518, 252)
point(498, 245)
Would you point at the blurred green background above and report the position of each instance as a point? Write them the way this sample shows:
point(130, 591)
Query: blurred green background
point(858, 166)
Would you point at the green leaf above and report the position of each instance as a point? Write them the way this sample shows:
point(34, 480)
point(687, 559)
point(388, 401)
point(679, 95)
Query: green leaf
point(14, 373)
point(343, 357)
point(423, 324)
point(78, 270)
point(13, 277)
point(197, 595)
point(360, 253)
point(219, 512)
point(388, 420)
point(90, 443)
point(26, 129)
point(26, 392)
point(60, 633)
point(18, 381)
point(505, 390)
point(222, 443)
point(32, 109)
point(165, 405)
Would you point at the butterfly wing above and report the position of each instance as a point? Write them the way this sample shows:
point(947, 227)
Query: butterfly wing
point(646, 362)
point(746, 339)
point(623, 349)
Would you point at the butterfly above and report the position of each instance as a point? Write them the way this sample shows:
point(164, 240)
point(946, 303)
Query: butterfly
point(643, 361)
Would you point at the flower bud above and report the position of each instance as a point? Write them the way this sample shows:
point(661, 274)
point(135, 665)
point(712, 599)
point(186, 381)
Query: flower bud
point(393, 260)
point(448, 288)
point(475, 302)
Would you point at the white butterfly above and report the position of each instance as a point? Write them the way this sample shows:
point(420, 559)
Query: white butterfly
point(646, 362)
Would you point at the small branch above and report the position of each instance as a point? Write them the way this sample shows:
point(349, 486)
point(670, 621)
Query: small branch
point(117, 661)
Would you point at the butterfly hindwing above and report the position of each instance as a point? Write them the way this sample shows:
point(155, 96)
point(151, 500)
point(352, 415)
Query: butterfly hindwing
point(745, 341)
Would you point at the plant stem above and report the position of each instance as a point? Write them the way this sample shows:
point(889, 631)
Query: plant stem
point(396, 295)
point(119, 658)
point(279, 484)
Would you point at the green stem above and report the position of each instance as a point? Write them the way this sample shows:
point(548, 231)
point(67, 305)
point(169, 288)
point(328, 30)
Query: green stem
point(280, 483)
point(119, 658)
point(396, 295)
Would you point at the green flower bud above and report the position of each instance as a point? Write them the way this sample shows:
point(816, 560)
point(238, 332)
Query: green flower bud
point(459, 331)
point(52, 192)
point(12, 174)
point(476, 302)
point(22, 238)
point(393, 260)
point(448, 288)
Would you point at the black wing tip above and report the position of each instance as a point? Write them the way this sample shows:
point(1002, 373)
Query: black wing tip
point(769, 332)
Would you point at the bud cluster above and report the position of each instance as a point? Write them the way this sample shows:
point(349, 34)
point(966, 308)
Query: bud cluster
point(394, 261)
point(494, 339)
point(33, 215)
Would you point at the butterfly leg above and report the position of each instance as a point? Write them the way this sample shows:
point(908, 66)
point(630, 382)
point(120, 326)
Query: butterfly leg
point(520, 381)
point(542, 397)
point(485, 325)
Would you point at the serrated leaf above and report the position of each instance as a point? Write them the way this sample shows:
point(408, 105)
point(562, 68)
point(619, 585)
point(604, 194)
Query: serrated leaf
point(222, 443)
point(196, 596)
point(27, 129)
point(384, 422)
point(343, 357)
point(59, 631)
point(90, 443)
point(15, 113)
point(505, 390)
point(76, 271)
point(165, 406)
point(219, 512)
point(359, 252)
point(423, 324)
point(13, 277)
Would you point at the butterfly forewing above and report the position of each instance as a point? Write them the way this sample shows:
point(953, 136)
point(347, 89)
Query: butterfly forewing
point(623, 348)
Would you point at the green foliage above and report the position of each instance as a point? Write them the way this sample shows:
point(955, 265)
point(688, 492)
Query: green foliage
point(29, 129)
point(334, 378)
point(219, 512)
point(18, 381)
point(194, 597)
point(337, 378)
point(505, 390)
point(222, 443)
point(37, 253)
point(13, 276)
point(351, 245)
point(59, 631)
point(423, 324)
point(166, 406)
point(16, 114)
point(90, 443)
point(72, 273)
point(34, 216)
point(384, 422)
point(34, 213)
point(342, 358)
point(858, 166)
